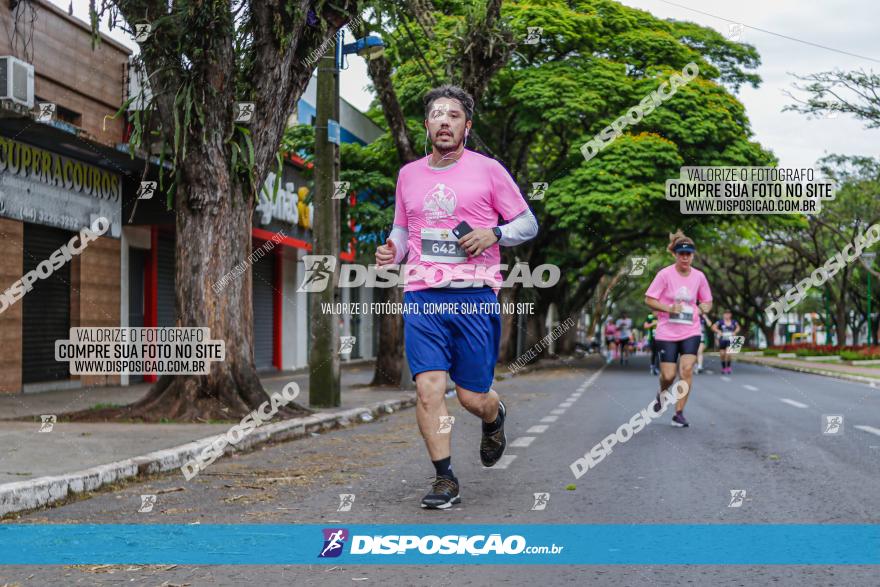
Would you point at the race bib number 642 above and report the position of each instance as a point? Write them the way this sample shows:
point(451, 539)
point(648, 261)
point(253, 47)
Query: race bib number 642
point(439, 245)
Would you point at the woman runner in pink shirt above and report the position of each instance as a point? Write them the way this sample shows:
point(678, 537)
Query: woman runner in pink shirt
point(678, 294)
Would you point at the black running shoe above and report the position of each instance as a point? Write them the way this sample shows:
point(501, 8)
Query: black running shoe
point(679, 420)
point(443, 494)
point(657, 404)
point(492, 445)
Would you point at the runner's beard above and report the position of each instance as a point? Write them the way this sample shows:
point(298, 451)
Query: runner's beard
point(447, 150)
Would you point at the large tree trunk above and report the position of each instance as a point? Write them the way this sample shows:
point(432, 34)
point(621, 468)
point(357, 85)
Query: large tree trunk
point(232, 389)
point(390, 353)
point(507, 349)
point(197, 71)
point(768, 332)
point(565, 342)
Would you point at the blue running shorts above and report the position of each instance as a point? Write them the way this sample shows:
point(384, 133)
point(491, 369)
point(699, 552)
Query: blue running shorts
point(454, 330)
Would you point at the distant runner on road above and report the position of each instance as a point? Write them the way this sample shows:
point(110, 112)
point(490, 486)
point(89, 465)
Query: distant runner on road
point(704, 340)
point(624, 335)
point(678, 294)
point(610, 340)
point(650, 326)
point(726, 328)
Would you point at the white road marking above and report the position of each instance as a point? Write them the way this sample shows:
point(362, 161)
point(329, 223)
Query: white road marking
point(727, 379)
point(522, 441)
point(791, 402)
point(751, 387)
point(709, 371)
point(503, 462)
point(593, 377)
point(549, 418)
point(578, 394)
point(538, 429)
point(557, 412)
point(869, 429)
point(566, 404)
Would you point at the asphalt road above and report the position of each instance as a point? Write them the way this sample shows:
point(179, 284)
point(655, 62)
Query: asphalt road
point(759, 430)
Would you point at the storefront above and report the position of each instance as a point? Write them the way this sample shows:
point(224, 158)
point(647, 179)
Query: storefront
point(50, 280)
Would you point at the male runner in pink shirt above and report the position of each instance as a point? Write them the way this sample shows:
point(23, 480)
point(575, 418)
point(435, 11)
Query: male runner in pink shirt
point(446, 220)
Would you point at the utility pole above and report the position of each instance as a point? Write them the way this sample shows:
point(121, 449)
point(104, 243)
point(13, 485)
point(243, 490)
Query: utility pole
point(324, 379)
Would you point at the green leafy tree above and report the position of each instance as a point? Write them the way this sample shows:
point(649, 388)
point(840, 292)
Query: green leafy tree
point(537, 104)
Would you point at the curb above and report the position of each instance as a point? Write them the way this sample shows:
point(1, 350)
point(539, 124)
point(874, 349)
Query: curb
point(35, 493)
point(872, 381)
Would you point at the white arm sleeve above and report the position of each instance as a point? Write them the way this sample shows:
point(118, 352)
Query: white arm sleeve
point(400, 237)
point(522, 228)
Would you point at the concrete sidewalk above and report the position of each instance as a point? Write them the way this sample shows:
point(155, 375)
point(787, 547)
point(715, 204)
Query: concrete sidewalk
point(28, 454)
point(41, 468)
point(866, 374)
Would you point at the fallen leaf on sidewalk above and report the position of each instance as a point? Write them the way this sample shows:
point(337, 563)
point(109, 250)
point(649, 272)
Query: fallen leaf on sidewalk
point(100, 567)
point(172, 490)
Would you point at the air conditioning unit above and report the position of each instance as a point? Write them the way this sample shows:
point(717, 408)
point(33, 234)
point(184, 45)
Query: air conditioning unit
point(16, 81)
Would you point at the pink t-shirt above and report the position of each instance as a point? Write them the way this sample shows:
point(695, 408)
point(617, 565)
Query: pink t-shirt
point(670, 286)
point(430, 202)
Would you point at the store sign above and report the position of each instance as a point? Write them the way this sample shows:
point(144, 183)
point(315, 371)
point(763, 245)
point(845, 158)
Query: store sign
point(286, 205)
point(45, 188)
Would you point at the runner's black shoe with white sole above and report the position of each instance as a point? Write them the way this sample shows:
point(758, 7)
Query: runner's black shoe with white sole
point(679, 420)
point(443, 494)
point(492, 445)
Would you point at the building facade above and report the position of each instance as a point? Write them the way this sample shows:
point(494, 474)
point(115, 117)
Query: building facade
point(60, 172)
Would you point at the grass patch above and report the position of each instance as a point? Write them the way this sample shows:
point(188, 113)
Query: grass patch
point(103, 406)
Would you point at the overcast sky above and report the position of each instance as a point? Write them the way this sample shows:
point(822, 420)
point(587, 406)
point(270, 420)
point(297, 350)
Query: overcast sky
point(845, 25)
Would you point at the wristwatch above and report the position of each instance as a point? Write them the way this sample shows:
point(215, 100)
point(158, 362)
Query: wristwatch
point(497, 232)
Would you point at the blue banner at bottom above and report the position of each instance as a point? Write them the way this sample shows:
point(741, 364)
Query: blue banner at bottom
point(419, 544)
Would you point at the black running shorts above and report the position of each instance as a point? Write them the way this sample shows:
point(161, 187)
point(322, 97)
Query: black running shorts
point(669, 350)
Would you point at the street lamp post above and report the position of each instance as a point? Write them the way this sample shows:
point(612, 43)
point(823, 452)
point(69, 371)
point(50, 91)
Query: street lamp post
point(759, 300)
point(827, 317)
point(324, 367)
point(868, 261)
